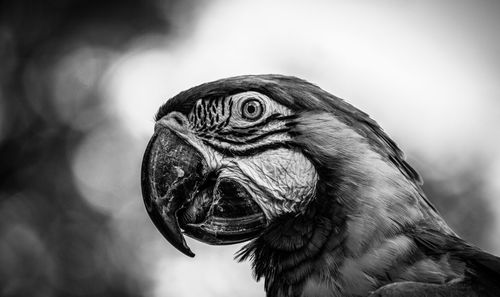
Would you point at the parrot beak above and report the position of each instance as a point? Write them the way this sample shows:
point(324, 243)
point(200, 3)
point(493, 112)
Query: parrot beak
point(182, 195)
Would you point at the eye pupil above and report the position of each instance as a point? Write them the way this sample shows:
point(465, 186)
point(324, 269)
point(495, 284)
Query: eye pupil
point(251, 109)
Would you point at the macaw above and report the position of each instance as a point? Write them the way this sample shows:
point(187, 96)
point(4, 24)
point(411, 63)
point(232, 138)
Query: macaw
point(325, 198)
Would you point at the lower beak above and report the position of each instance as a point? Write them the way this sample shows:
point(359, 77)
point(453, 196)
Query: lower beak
point(182, 194)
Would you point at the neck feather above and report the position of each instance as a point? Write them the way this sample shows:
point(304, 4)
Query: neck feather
point(352, 238)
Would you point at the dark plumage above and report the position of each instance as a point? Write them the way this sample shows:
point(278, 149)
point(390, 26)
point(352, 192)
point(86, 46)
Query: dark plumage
point(326, 197)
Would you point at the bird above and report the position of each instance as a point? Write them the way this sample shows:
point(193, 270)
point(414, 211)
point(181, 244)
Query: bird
point(324, 198)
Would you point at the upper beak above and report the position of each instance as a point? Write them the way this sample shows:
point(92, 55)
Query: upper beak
point(181, 191)
point(163, 177)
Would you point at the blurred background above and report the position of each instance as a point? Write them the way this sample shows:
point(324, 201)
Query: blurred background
point(80, 82)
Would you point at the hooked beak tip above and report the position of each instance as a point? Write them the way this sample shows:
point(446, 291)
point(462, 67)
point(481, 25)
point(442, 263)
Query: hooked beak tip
point(189, 253)
point(159, 179)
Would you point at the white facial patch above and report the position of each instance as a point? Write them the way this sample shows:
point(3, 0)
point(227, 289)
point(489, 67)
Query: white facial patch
point(225, 114)
point(282, 180)
point(230, 133)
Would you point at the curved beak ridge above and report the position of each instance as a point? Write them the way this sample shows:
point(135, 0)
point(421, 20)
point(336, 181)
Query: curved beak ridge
point(169, 168)
point(183, 195)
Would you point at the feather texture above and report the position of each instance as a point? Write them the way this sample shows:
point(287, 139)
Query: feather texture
point(369, 229)
point(481, 271)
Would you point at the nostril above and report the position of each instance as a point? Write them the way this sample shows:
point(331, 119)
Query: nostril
point(178, 118)
point(174, 120)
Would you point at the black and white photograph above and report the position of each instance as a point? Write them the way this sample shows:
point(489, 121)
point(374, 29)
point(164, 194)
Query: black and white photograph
point(169, 148)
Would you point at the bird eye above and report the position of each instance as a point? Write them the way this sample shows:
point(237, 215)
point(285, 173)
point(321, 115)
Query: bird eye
point(252, 109)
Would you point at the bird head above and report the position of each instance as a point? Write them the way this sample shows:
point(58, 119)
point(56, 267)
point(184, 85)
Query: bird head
point(231, 157)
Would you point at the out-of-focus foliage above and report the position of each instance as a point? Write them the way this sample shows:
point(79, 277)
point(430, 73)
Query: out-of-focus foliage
point(72, 221)
point(53, 54)
point(462, 200)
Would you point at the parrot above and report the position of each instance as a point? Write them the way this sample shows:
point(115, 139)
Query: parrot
point(325, 201)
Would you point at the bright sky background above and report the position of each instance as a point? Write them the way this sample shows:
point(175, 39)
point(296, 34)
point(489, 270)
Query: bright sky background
point(427, 71)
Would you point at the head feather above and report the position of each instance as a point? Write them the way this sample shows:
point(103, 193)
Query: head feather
point(300, 96)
